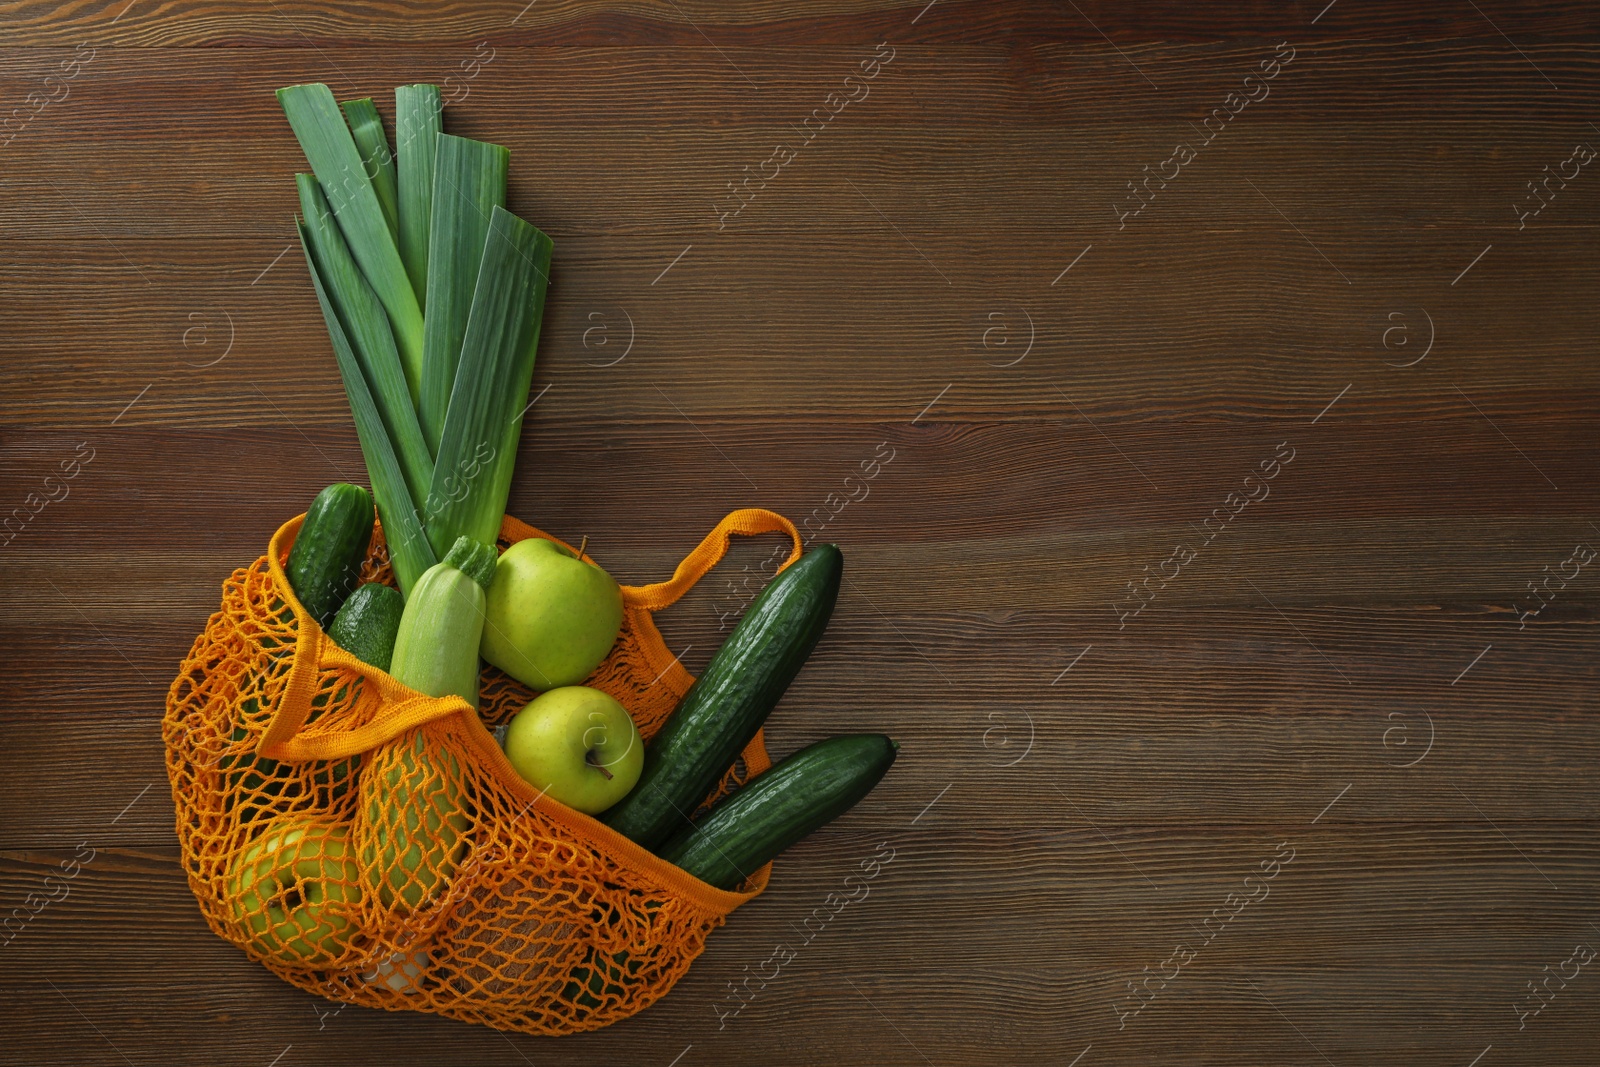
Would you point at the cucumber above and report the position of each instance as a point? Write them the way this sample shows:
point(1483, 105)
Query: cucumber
point(723, 710)
point(600, 975)
point(802, 793)
point(367, 624)
point(257, 786)
point(325, 562)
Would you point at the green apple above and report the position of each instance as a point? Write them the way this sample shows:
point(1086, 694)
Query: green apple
point(551, 616)
point(297, 889)
point(417, 823)
point(579, 746)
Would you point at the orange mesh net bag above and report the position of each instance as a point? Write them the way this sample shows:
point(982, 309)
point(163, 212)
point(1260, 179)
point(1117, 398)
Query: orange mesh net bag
point(374, 846)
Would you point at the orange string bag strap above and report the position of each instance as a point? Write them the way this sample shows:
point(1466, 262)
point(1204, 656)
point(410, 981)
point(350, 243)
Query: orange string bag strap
point(746, 522)
point(639, 602)
point(383, 709)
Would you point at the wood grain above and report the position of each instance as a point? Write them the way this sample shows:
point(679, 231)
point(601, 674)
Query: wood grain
point(296, 24)
point(1346, 668)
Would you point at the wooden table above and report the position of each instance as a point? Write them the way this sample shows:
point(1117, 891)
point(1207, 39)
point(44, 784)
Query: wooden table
point(1225, 566)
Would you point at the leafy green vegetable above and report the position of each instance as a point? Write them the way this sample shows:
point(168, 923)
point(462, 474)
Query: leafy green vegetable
point(331, 149)
point(469, 181)
point(409, 549)
point(478, 449)
point(418, 122)
point(367, 329)
point(367, 129)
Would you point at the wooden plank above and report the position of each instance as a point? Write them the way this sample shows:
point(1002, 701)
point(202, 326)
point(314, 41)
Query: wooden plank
point(1031, 972)
point(301, 25)
point(1260, 361)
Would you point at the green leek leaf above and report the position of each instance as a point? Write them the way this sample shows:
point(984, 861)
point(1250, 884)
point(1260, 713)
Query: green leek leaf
point(327, 142)
point(469, 181)
point(417, 124)
point(409, 550)
point(367, 129)
point(472, 474)
point(367, 329)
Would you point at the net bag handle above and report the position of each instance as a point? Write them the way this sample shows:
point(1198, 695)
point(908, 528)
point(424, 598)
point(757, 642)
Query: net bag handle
point(746, 522)
point(398, 709)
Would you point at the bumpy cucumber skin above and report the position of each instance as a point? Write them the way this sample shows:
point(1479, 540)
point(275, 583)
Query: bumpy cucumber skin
point(732, 698)
point(368, 622)
point(801, 794)
point(325, 562)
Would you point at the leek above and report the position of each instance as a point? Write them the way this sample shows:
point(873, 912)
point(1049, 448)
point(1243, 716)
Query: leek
point(469, 181)
point(417, 125)
point(367, 330)
point(367, 129)
point(472, 472)
point(409, 550)
point(329, 147)
point(438, 401)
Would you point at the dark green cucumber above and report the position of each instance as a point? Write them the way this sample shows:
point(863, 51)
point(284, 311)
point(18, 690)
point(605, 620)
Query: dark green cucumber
point(367, 624)
point(802, 793)
point(325, 562)
point(258, 787)
point(599, 976)
point(725, 707)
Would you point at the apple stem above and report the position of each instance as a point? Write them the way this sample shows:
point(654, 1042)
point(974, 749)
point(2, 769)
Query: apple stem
point(583, 546)
point(589, 758)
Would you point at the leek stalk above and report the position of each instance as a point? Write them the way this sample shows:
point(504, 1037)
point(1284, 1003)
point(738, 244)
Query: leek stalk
point(478, 449)
point(438, 400)
point(418, 121)
point(319, 126)
point(367, 329)
point(469, 181)
point(409, 549)
point(367, 129)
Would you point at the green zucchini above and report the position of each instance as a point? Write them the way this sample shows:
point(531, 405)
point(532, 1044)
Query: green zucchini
point(723, 710)
point(436, 648)
point(367, 624)
point(802, 793)
point(325, 562)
